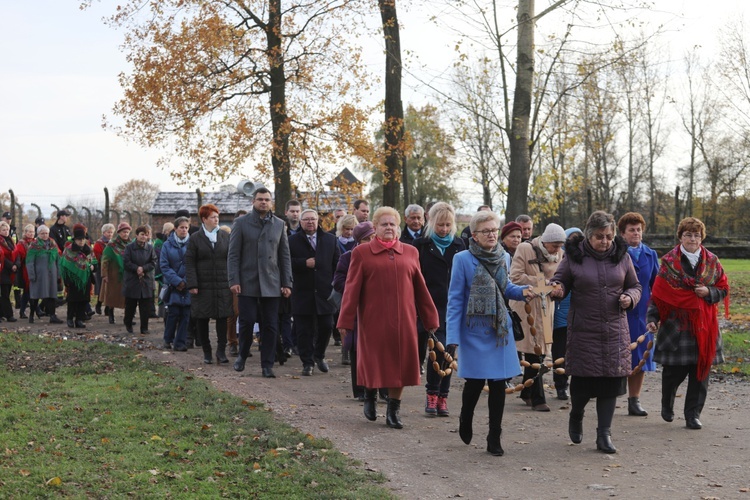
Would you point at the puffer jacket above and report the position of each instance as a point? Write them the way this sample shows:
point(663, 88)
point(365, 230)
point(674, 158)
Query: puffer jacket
point(598, 335)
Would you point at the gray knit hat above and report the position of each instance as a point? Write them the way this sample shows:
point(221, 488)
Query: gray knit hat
point(553, 234)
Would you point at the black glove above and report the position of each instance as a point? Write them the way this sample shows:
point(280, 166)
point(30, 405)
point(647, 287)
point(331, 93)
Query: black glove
point(451, 349)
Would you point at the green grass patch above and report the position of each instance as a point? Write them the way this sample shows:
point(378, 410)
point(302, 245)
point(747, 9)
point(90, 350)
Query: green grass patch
point(736, 351)
point(93, 420)
point(738, 272)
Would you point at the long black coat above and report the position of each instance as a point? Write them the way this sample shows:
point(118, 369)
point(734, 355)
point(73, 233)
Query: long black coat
point(133, 257)
point(206, 270)
point(436, 269)
point(313, 286)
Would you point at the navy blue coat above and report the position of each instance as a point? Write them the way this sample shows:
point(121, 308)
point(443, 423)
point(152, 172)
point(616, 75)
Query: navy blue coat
point(172, 264)
point(313, 286)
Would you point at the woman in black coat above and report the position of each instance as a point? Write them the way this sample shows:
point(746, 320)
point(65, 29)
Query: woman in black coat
point(139, 263)
point(436, 250)
point(207, 280)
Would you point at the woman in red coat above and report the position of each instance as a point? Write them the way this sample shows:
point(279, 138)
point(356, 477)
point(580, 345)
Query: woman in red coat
point(383, 286)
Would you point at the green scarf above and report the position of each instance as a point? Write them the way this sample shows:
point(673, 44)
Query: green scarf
point(486, 304)
point(40, 248)
point(75, 266)
point(114, 250)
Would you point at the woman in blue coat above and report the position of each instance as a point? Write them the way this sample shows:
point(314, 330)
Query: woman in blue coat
point(646, 264)
point(177, 296)
point(479, 325)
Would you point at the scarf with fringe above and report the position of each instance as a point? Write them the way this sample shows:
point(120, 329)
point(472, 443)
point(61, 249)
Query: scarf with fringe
point(75, 265)
point(673, 293)
point(486, 304)
point(114, 250)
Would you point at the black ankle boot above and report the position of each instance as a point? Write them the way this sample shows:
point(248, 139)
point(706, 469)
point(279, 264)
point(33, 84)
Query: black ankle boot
point(391, 415)
point(31, 315)
point(493, 442)
point(575, 428)
point(221, 355)
point(465, 430)
point(635, 408)
point(207, 357)
point(98, 307)
point(371, 404)
point(604, 440)
point(111, 316)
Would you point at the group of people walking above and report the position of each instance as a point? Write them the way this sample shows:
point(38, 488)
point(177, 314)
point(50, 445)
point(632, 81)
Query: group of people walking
point(594, 298)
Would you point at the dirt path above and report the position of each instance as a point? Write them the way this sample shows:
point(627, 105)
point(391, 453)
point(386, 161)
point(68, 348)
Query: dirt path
point(427, 459)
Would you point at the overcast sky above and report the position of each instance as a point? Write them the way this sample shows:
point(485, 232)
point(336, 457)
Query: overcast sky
point(59, 76)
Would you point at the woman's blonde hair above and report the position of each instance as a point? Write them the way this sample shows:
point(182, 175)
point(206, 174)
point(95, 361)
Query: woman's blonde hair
point(380, 212)
point(439, 212)
point(346, 220)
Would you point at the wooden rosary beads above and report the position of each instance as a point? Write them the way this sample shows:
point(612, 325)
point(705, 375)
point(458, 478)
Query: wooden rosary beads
point(646, 354)
point(449, 364)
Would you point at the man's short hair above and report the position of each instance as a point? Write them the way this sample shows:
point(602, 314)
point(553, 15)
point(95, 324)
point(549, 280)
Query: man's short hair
point(412, 209)
point(357, 203)
point(260, 190)
point(484, 207)
point(523, 218)
point(292, 203)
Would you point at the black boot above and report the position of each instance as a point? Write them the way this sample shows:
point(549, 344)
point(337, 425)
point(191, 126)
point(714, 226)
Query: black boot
point(604, 440)
point(111, 315)
point(371, 404)
point(207, 358)
point(239, 364)
point(221, 355)
point(55, 320)
point(31, 315)
point(493, 442)
point(575, 428)
point(635, 408)
point(392, 414)
point(496, 403)
point(469, 397)
point(98, 307)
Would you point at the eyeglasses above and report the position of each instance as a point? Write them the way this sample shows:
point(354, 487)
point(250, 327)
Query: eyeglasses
point(487, 232)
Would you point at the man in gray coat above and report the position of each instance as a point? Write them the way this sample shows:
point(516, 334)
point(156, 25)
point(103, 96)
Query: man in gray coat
point(260, 272)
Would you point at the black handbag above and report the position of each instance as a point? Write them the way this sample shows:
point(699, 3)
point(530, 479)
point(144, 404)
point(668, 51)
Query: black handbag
point(518, 334)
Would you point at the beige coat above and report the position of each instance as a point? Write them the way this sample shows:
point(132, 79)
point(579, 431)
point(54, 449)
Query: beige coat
point(523, 271)
point(111, 291)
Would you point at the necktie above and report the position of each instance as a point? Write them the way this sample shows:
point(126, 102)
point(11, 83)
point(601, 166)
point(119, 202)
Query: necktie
point(312, 241)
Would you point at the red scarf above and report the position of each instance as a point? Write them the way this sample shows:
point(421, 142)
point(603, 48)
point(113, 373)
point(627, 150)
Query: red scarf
point(387, 244)
point(673, 293)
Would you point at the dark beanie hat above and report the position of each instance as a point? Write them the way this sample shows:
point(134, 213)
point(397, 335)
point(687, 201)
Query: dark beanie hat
point(79, 232)
point(363, 230)
point(509, 228)
point(182, 213)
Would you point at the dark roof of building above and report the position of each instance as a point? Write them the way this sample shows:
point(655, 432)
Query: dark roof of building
point(169, 202)
point(344, 177)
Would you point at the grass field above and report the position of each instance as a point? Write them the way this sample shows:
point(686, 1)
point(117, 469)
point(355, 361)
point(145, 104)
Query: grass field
point(737, 336)
point(93, 420)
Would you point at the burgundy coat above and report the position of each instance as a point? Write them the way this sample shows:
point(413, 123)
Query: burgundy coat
point(598, 335)
point(384, 291)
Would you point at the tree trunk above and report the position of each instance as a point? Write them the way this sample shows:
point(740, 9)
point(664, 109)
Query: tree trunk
point(520, 145)
point(394, 111)
point(279, 119)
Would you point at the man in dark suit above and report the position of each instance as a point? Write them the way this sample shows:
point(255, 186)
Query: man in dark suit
point(414, 219)
point(257, 237)
point(315, 254)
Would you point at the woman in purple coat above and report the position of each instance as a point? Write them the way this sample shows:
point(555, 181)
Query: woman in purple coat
point(646, 263)
point(598, 274)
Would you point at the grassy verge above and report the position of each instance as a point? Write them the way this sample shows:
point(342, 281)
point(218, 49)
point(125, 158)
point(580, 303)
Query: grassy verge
point(737, 336)
point(94, 420)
